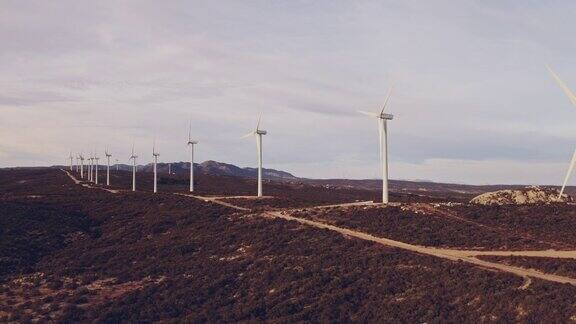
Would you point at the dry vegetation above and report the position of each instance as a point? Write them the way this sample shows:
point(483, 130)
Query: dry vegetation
point(433, 226)
point(73, 254)
point(563, 267)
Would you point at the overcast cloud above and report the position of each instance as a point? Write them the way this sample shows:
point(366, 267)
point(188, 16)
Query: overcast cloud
point(473, 102)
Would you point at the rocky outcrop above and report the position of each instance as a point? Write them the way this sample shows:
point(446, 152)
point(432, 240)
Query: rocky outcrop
point(528, 195)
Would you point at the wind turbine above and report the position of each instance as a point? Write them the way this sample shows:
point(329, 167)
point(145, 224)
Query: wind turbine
point(258, 133)
point(71, 161)
point(191, 143)
point(81, 157)
point(96, 158)
point(572, 98)
point(117, 165)
point(383, 140)
point(133, 158)
point(155, 155)
point(91, 159)
point(108, 155)
point(169, 168)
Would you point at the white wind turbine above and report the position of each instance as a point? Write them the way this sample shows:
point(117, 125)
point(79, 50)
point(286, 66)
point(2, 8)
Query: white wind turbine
point(383, 140)
point(91, 159)
point(96, 158)
point(155, 155)
point(117, 165)
point(258, 133)
point(133, 158)
point(81, 157)
point(71, 161)
point(572, 98)
point(191, 143)
point(108, 155)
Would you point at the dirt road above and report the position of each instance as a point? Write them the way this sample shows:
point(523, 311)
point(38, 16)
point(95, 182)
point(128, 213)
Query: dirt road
point(455, 255)
point(468, 256)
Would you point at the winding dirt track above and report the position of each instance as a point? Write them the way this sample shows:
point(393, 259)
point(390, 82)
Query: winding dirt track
point(454, 255)
point(468, 256)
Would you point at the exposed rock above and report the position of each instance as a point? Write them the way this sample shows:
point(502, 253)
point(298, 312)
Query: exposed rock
point(528, 195)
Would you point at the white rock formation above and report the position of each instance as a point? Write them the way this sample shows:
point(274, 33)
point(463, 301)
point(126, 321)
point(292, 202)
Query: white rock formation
point(528, 195)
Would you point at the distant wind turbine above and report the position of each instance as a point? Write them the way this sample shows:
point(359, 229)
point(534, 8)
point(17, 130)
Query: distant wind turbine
point(108, 155)
point(117, 165)
point(169, 168)
point(572, 98)
point(90, 168)
point(155, 155)
point(96, 158)
point(191, 143)
point(81, 157)
point(258, 133)
point(383, 140)
point(71, 161)
point(133, 158)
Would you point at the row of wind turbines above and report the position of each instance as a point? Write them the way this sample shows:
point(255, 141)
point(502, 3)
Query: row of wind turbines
point(93, 165)
point(381, 117)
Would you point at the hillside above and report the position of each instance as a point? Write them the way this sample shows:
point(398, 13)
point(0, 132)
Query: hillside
point(460, 191)
point(211, 168)
point(72, 252)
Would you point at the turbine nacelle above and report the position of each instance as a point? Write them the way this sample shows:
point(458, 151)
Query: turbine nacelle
point(381, 114)
point(154, 153)
point(386, 116)
point(257, 130)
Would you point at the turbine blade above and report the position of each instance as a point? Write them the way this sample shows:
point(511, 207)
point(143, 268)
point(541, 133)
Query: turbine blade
point(258, 123)
point(387, 99)
point(371, 114)
point(562, 85)
point(568, 174)
point(248, 135)
point(190, 131)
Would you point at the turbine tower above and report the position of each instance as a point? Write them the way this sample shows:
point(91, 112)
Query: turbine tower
point(117, 165)
point(133, 158)
point(96, 158)
point(81, 157)
point(71, 161)
point(169, 168)
point(383, 118)
point(155, 155)
point(91, 159)
point(572, 98)
point(191, 143)
point(258, 133)
point(108, 155)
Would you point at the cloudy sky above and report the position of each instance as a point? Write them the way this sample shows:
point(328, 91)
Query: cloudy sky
point(473, 102)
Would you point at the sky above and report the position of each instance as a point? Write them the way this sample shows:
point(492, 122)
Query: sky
point(472, 102)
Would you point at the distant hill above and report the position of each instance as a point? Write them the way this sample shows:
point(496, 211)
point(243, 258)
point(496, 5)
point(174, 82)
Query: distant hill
point(212, 168)
point(423, 187)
